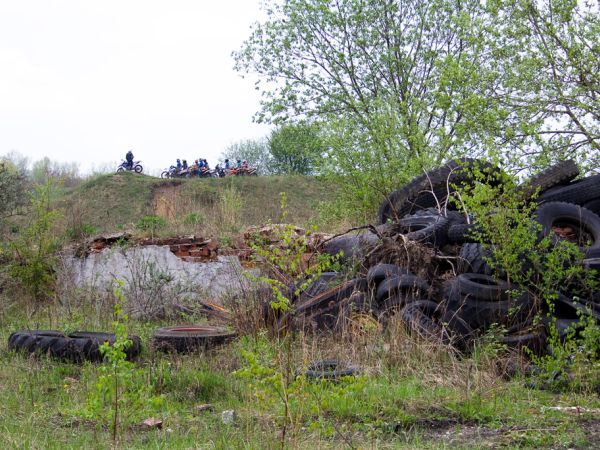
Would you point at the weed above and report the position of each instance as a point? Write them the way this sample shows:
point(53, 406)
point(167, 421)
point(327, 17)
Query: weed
point(32, 252)
point(151, 224)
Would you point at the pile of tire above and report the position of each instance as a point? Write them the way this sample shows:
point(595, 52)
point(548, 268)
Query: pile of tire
point(459, 308)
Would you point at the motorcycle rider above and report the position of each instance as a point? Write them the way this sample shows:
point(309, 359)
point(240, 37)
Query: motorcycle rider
point(129, 159)
point(239, 163)
point(227, 167)
point(245, 165)
point(178, 165)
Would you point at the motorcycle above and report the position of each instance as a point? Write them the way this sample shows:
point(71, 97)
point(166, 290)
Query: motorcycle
point(136, 167)
point(171, 172)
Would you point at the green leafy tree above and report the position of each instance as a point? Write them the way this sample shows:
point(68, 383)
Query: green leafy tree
point(296, 148)
point(255, 151)
point(13, 188)
point(402, 85)
point(33, 252)
point(547, 54)
point(64, 173)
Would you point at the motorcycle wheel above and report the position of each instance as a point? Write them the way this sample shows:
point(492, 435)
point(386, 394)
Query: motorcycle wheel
point(164, 174)
point(120, 169)
point(138, 168)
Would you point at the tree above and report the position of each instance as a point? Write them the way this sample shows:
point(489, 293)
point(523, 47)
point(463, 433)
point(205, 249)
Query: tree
point(255, 151)
point(399, 84)
point(45, 169)
point(13, 188)
point(547, 54)
point(296, 148)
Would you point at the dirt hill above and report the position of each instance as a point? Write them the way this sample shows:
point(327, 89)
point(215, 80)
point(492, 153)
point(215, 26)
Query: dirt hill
point(116, 201)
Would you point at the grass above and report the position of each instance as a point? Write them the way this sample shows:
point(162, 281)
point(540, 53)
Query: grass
point(409, 395)
point(117, 201)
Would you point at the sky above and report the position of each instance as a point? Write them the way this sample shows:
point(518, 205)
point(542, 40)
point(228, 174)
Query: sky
point(84, 81)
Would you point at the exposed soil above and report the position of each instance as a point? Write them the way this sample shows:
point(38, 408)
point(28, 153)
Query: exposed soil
point(164, 199)
point(470, 435)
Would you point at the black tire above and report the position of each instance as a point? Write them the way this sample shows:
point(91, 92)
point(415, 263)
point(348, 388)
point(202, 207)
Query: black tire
point(558, 174)
point(335, 294)
point(431, 321)
point(165, 174)
point(350, 246)
point(320, 284)
point(380, 272)
point(424, 228)
point(76, 347)
point(428, 189)
point(27, 340)
point(483, 287)
point(472, 259)
point(329, 370)
point(120, 169)
point(461, 233)
point(534, 341)
point(89, 343)
point(138, 168)
point(579, 192)
point(404, 284)
point(190, 338)
point(479, 314)
point(593, 206)
point(584, 223)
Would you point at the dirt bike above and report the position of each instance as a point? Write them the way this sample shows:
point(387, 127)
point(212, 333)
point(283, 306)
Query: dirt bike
point(247, 172)
point(171, 172)
point(205, 172)
point(136, 167)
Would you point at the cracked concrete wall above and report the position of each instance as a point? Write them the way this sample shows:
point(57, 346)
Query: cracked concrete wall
point(100, 270)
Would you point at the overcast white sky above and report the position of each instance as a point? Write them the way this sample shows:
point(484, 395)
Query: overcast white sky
point(85, 81)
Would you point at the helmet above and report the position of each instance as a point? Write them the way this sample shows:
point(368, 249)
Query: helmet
point(178, 160)
point(227, 160)
point(204, 160)
point(239, 160)
point(245, 162)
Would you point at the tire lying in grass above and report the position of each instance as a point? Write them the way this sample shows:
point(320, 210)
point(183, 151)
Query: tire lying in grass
point(481, 300)
point(432, 321)
point(534, 341)
point(76, 347)
point(329, 370)
point(90, 342)
point(189, 338)
point(558, 174)
point(433, 188)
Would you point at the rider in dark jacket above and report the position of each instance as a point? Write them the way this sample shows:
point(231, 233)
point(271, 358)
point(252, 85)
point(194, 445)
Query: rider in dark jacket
point(129, 159)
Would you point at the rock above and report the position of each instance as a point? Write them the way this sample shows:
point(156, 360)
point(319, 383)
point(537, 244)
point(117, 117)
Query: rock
point(152, 423)
point(228, 417)
point(205, 407)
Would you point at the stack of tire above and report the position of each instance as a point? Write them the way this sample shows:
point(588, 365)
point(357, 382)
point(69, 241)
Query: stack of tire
point(465, 306)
